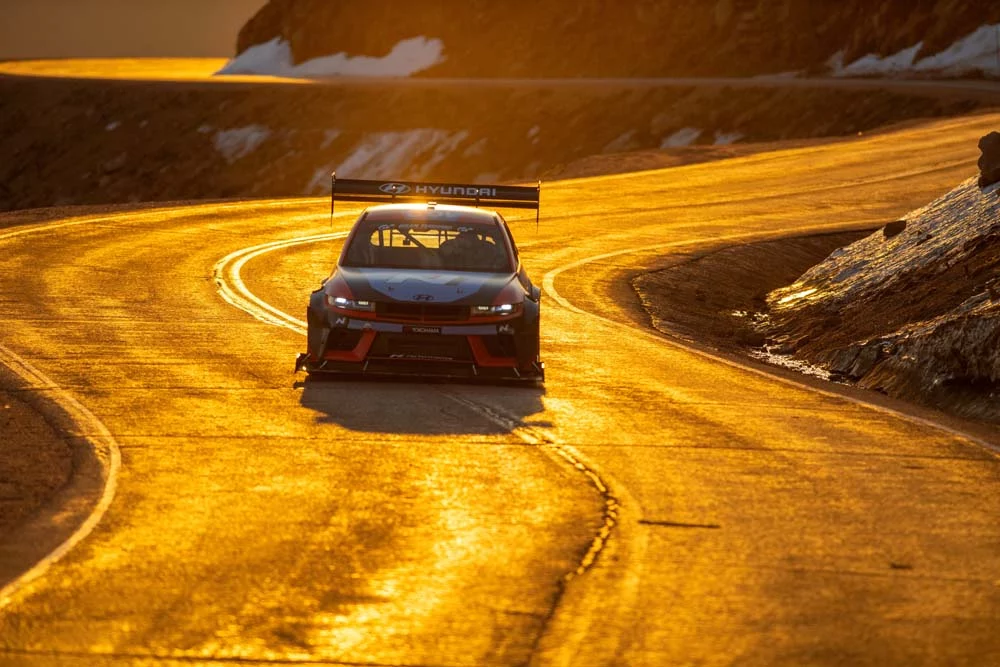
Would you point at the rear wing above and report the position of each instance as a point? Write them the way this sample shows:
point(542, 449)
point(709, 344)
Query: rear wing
point(402, 192)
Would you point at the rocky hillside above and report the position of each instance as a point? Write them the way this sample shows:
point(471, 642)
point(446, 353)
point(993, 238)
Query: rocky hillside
point(94, 142)
point(912, 310)
point(527, 38)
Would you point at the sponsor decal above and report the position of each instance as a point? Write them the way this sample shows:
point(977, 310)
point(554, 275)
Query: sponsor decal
point(423, 297)
point(422, 330)
point(394, 188)
point(341, 322)
point(455, 191)
point(505, 329)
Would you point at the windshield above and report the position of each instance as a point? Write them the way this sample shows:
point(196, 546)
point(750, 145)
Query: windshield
point(428, 245)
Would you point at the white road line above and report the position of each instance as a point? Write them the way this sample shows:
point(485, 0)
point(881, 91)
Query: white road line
point(234, 291)
point(104, 446)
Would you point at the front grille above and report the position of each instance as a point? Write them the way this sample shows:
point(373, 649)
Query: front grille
point(421, 312)
point(418, 346)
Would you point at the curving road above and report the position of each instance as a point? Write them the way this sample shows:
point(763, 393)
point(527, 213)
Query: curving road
point(653, 505)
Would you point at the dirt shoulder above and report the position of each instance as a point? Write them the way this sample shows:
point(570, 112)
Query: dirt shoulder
point(716, 300)
point(46, 479)
point(35, 462)
point(712, 298)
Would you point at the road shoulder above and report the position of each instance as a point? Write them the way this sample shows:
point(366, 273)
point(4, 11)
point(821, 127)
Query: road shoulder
point(35, 462)
point(66, 516)
point(708, 300)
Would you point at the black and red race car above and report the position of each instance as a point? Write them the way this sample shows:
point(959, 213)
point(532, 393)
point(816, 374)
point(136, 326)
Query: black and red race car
point(427, 284)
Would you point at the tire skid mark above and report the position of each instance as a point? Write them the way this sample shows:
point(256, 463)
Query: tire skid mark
point(563, 454)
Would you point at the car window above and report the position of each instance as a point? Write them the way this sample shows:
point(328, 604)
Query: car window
point(510, 236)
point(449, 246)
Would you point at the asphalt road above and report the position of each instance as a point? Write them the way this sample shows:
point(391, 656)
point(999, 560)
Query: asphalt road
point(652, 505)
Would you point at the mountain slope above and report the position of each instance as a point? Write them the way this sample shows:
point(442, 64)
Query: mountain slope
point(624, 38)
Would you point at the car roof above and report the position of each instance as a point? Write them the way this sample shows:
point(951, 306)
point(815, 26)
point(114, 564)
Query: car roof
point(460, 214)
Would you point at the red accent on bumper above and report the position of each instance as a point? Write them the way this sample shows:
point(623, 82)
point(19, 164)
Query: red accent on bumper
point(485, 359)
point(356, 355)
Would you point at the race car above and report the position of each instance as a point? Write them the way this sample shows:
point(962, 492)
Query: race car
point(429, 284)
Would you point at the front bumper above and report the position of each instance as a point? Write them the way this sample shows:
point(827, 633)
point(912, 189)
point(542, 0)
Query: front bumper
point(504, 350)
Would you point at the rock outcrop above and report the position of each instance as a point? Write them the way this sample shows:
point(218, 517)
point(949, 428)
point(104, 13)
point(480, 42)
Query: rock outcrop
point(989, 161)
point(519, 38)
point(917, 312)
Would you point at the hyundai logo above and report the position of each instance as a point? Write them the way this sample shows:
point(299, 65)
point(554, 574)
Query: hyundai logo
point(394, 188)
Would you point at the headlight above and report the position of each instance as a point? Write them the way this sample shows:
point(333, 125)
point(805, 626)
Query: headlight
point(349, 304)
point(503, 309)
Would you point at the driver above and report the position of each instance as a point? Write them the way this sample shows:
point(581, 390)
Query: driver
point(469, 250)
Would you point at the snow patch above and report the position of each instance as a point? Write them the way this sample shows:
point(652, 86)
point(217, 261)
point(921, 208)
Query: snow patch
point(476, 149)
point(329, 136)
point(241, 141)
point(934, 236)
point(976, 53)
point(871, 64)
point(681, 138)
point(727, 138)
point(835, 63)
point(414, 153)
point(979, 52)
point(790, 362)
point(321, 181)
point(274, 58)
point(622, 143)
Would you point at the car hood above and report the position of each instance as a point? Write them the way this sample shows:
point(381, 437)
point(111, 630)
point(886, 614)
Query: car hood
point(425, 286)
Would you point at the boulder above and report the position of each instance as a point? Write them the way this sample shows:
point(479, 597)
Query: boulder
point(893, 229)
point(989, 161)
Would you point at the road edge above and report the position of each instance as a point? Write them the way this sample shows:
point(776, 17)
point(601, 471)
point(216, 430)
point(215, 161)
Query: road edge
point(73, 513)
point(901, 409)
